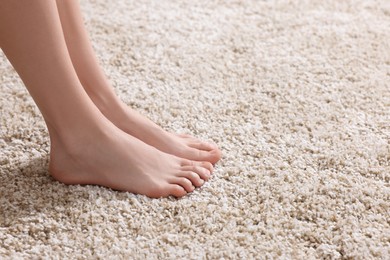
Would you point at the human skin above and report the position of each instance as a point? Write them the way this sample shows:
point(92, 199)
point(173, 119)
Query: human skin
point(86, 147)
point(102, 94)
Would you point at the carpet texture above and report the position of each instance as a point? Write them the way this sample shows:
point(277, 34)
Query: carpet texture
point(297, 95)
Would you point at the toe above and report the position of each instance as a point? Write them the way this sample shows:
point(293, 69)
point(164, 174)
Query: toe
point(193, 176)
point(212, 156)
point(200, 155)
point(202, 146)
point(177, 190)
point(196, 174)
point(215, 156)
point(157, 190)
point(185, 162)
point(185, 136)
point(184, 182)
point(206, 165)
point(162, 190)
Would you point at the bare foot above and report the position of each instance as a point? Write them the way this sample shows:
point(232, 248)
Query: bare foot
point(99, 89)
point(184, 146)
point(114, 159)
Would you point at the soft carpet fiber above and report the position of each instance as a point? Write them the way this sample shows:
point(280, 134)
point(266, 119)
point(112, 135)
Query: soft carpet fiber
point(297, 95)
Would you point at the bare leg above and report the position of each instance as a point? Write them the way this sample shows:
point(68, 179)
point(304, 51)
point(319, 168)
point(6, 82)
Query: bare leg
point(101, 92)
point(86, 148)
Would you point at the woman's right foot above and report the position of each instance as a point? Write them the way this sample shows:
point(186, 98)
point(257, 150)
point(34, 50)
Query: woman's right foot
point(114, 159)
point(180, 145)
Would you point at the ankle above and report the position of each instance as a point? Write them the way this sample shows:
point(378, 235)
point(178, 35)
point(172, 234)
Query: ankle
point(112, 108)
point(75, 138)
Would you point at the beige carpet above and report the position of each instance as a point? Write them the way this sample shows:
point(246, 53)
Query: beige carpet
point(296, 93)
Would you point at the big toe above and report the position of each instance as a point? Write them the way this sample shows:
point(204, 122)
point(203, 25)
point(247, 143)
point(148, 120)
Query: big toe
point(177, 190)
point(204, 146)
point(168, 189)
point(215, 156)
point(211, 156)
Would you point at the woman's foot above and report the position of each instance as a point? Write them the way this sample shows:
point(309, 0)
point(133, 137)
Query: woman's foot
point(113, 159)
point(86, 148)
point(101, 92)
point(181, 145)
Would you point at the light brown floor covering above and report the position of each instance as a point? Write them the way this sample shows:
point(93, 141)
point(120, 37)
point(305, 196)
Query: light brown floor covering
point(296, 93)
